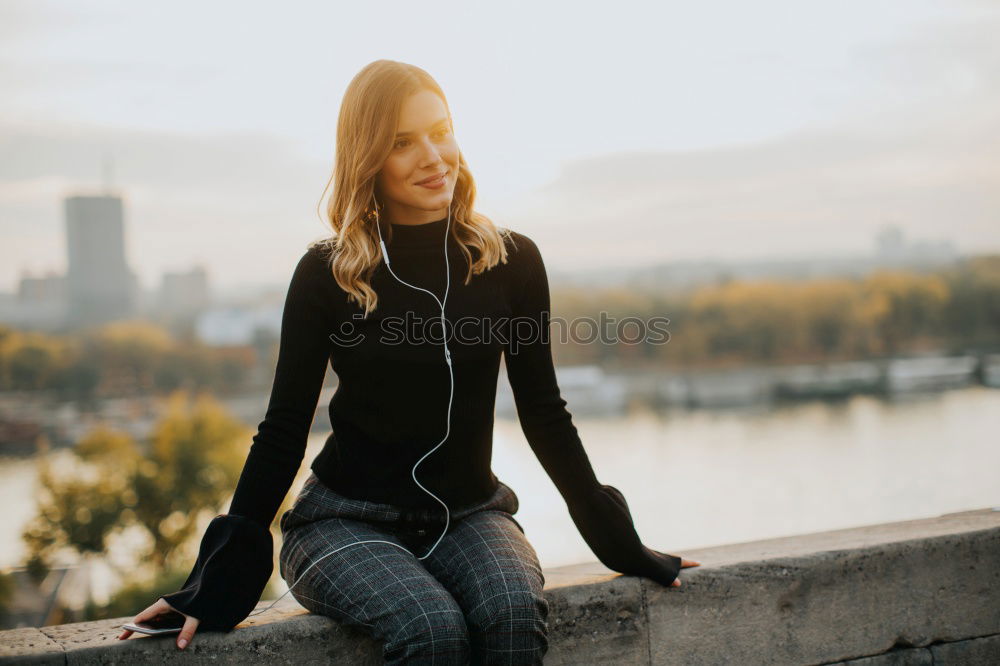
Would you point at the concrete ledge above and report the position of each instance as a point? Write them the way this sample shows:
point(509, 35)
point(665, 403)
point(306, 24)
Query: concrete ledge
point(914, 592)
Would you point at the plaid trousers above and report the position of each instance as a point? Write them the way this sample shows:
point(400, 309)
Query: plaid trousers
point(476, 599)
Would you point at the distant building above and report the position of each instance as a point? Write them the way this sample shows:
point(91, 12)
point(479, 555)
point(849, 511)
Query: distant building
point(239, 325)
point(892, 249)
point(40, 301)
point(889, 245)
point(101, 287)
point(49, 288)
point(184, 293)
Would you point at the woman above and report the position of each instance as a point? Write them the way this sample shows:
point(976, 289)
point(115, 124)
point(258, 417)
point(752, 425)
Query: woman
point(402, 528)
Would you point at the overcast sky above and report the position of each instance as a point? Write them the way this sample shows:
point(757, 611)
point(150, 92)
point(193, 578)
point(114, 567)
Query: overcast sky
point(612, 133)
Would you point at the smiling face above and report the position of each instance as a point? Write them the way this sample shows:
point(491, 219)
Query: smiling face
point(424, 147)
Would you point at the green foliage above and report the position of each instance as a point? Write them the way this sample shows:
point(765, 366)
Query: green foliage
point(117, 359)
point(732, 322)
point(973, 313)
point(157, 492)
point(194, 461)
point(776, 321)
point(110, 484)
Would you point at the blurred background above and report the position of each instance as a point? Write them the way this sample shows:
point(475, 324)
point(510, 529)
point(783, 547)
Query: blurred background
point(809, 193)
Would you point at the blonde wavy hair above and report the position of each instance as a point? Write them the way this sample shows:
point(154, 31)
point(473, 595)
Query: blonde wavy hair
point(366, 128)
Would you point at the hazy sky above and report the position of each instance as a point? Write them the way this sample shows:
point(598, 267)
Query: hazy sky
point(612, 133)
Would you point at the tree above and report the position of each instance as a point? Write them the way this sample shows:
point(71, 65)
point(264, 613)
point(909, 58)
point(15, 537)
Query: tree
point(109, 486)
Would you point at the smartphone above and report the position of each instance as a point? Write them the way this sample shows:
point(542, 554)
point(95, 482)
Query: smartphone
point(166, 623)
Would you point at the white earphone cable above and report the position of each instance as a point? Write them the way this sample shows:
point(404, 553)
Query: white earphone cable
point(413, 472)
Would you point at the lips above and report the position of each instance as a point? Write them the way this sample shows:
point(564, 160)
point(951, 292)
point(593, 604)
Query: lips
point(432, 179)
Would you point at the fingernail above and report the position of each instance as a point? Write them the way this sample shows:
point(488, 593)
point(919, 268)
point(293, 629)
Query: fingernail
point(182, 643)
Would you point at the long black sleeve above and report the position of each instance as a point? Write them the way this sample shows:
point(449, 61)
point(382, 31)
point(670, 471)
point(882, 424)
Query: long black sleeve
point(233, 566)
point(599, 511)
point(236, 557)
point(303, 353)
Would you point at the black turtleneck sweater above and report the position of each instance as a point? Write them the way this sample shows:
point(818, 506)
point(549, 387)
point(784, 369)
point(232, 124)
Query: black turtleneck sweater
point(391, 407)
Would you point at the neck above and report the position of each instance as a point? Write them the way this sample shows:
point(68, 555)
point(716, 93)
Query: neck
point(427, 234)
point(412, 217)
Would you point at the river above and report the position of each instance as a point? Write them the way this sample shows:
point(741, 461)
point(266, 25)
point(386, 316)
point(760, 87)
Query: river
point(704, 477)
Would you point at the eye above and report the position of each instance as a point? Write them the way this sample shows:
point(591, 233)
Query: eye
point(397, 144)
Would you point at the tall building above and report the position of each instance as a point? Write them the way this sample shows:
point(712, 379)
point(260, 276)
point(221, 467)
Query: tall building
point(100, 285)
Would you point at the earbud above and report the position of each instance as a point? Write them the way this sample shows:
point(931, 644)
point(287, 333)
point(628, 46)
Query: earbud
point(447, 358)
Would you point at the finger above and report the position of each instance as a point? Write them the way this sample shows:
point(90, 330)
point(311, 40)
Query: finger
point(676, 582)
point(157, 608)
point(187, 633)
point(684, 562)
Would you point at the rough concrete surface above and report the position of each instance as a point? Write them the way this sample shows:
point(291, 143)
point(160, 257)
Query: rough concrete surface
point(604, 621)
point(975, 652)
point(906, 593)
point(30, 646)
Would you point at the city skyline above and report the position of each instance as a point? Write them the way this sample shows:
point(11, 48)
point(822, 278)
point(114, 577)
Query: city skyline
point(703, 135)
point(99, 284)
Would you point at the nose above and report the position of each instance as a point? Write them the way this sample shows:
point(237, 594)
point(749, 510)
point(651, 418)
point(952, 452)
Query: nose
point(430, 153)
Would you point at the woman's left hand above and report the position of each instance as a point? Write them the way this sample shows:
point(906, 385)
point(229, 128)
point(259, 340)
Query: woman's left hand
point(684, 565)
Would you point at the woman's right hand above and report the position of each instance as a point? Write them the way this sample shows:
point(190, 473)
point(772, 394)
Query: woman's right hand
point(161, 607)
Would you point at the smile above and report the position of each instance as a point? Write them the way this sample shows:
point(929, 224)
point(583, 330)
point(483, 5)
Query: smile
point(433, 184)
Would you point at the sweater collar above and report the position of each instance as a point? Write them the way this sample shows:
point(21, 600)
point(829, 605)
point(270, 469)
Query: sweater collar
point(428, 234)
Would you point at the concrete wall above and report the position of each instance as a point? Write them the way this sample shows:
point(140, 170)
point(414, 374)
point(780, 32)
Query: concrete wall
point(914, 592)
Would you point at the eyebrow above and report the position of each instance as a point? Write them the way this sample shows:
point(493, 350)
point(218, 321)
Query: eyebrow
point(442, 120)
